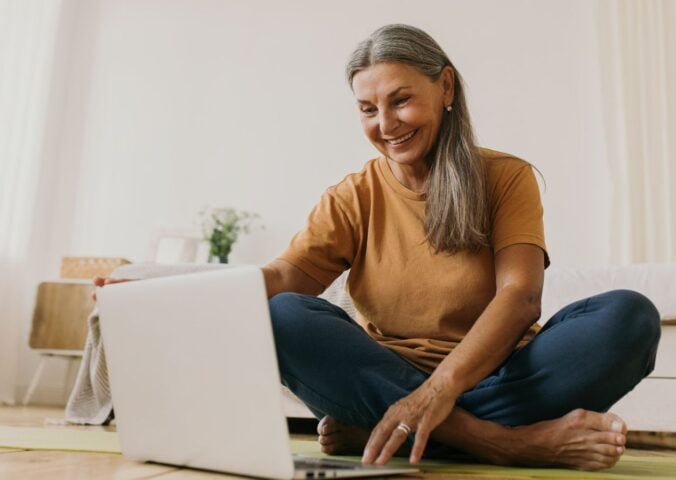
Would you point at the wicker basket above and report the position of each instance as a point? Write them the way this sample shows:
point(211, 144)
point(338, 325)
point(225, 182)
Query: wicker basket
point(89, 267)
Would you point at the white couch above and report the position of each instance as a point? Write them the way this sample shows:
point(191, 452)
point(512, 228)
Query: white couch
point(651, 405)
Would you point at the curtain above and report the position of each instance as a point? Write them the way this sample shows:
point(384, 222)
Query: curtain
point(28, 30)
point(637, 59)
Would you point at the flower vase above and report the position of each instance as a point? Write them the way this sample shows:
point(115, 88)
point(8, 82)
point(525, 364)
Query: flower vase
point(218, 259)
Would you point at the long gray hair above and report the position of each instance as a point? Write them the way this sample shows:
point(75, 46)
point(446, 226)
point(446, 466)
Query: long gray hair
point(456, 210)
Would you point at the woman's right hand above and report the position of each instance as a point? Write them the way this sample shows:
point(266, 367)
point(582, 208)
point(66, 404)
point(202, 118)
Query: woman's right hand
point(103, 281)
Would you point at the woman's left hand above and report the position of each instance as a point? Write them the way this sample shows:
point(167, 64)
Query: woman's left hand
point(422, 411)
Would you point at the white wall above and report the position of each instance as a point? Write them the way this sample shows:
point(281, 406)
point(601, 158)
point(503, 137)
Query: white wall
point(164, 106)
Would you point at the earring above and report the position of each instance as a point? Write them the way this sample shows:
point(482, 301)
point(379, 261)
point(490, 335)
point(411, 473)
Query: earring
point(449, 108)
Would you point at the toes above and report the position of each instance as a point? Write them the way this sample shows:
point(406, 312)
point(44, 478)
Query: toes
point(597, 461)
point(618, 420)
point(606, 438)
point(613, 423)
point(594, 466)
point(603, 422)
point(327, 425)
point(329, 449)
point(336, 446)
point(605, 443)
point(609, 450)
point(601, 455)
point(608, 461)
point(320, 425)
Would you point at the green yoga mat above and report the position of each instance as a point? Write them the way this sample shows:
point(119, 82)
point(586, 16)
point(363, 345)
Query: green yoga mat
point(629, 467)
point(67, 439)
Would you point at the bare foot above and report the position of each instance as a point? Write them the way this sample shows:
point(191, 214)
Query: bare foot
point(338, 438)
point(582, 440)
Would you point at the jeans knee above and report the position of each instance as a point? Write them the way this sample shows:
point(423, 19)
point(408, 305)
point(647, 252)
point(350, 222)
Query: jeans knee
point(640, 320)
point(286, 313)
point(284, 301)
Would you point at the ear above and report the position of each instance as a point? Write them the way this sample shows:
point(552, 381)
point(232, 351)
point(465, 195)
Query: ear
point(447, 83)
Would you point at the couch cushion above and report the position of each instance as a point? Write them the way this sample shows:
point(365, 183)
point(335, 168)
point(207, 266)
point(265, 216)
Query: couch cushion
point(566, 285)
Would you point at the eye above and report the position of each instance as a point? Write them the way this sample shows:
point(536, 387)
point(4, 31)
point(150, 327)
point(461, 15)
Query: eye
point(367, 110)
point(399, 102)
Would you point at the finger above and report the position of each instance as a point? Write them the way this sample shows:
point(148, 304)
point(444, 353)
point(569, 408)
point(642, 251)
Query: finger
point(110, 281)
point(372, 447)
point(97, 281)
point(103, 281)
point(422, 435)
point(378, 437)
point(397, 438)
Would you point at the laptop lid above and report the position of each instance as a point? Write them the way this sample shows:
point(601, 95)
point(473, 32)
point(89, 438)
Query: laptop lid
point(193, 372)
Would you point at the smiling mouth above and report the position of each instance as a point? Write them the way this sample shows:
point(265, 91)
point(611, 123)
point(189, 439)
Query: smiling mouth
point(402, 139)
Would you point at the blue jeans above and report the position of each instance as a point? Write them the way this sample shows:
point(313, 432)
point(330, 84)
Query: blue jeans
point(589, 355)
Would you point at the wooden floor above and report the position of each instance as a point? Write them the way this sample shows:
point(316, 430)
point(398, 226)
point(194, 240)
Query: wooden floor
point(31, 465)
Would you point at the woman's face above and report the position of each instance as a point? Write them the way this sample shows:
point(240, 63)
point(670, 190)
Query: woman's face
point(401, 109)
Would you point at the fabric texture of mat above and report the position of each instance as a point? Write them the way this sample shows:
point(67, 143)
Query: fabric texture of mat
point(62, 439)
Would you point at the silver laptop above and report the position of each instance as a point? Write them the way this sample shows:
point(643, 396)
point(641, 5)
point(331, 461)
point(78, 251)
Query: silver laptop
point(194, 377)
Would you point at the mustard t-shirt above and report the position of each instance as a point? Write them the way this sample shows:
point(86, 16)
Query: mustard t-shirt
point(409, 299)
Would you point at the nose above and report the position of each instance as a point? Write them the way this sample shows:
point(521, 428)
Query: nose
point(388, 122)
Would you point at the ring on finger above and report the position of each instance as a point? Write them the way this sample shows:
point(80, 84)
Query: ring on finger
point(404, 428)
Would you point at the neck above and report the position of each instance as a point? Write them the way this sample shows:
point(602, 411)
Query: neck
point(413, 177)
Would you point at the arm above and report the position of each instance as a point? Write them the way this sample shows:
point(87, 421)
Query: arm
point(519, 271)
point(281, 276)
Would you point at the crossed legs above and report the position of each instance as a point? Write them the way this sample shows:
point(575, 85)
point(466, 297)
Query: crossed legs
point(543, 406)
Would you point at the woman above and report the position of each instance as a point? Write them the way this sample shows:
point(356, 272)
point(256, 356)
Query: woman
point(445, 246)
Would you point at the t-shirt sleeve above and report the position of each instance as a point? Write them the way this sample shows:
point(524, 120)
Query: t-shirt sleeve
point(517, 213)
point(326, 246)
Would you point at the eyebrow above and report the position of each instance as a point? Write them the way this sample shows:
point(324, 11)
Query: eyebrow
point(389, 95)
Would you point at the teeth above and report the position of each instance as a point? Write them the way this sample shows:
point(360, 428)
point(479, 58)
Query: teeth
point(401, 139)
